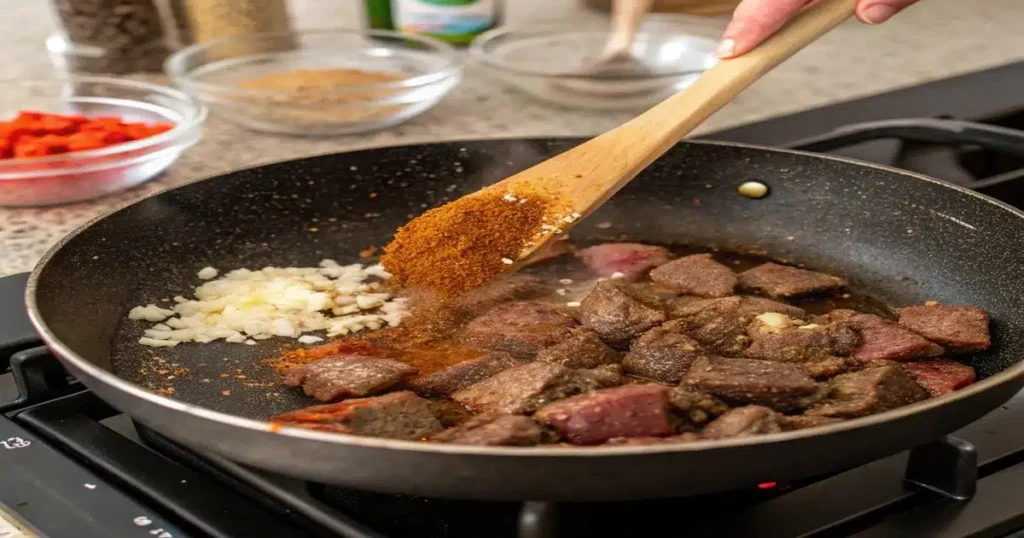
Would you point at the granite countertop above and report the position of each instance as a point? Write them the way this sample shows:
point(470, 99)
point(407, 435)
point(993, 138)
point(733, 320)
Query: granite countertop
point(935, 39)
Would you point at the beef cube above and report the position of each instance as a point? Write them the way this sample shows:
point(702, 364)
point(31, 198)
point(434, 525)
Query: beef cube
point(829, 367)
point(602, 377)
point(779, 281)
point(347, 376)
point(450, 413)
point(687, 437)
point(696, 275)
point(521, 389)
point(595, 417)
point(882, 339)
point(777, 337)
point(802, 422)
point(632, 260)
point(939, 376)
point(741, 422)
point(618, 311)
point(459, 376)
point(494, 430)
point(777, 385)
point(583, 349)
point(501, 290)
point(869, 391)
point(742, 305)
point(399, 415)
point(720, 325)
point(520, 329)
point(961, 329)
point(697, 406)
point(662, 354)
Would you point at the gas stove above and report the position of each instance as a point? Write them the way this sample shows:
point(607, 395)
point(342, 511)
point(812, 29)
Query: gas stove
point(71, 466)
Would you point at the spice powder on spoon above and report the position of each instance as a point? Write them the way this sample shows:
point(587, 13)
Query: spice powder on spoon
point(461, 245)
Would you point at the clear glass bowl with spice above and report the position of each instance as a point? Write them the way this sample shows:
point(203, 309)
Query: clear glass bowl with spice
point(321, 82)
point(552, 61)
point(80, 137)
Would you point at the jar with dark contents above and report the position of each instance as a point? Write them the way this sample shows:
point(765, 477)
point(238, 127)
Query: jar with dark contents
point(109, 36)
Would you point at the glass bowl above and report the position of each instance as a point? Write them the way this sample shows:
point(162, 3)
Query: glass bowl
point(82, 175)
point(216, 71)
point(551, 61)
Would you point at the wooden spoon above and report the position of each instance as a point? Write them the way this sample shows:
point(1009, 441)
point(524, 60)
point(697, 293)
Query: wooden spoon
point(576, 182)
point(585, 177)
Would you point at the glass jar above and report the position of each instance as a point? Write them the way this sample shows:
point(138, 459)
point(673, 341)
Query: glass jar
point(455, 21)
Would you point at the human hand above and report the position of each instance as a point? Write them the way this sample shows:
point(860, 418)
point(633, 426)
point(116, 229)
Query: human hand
point(755, 20)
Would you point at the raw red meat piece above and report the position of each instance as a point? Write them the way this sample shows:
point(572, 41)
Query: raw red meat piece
point(595, 417)
point(939, 376)
point(882, 339)
point(630, 259)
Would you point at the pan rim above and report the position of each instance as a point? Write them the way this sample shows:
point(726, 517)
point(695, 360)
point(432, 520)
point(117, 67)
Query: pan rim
point(100, 375)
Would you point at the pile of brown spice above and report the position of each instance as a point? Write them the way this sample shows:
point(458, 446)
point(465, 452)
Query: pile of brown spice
point(464, 244)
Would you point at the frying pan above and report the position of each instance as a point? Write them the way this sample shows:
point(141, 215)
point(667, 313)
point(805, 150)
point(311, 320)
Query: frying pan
point(897, 235)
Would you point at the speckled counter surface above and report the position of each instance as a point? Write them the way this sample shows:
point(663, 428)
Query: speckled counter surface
point(935, 39)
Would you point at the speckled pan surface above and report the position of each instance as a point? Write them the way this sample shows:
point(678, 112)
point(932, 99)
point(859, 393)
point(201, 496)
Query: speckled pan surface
point(898, 235)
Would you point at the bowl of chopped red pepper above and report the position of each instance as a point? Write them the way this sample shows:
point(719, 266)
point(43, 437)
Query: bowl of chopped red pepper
point(81, 137)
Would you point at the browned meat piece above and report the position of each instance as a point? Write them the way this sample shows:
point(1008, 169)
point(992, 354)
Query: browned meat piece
point(777, 337)
point(602, 377)
point(743, 305)
point(583, 349)
point(829, 367)
point(802, 422)
point(521, 329)
point(618, 311)
point(696, 405)
point(939, 376)
point(720, 325)
point(687, 437)
point(399, 415)
point(777, 385)
point(450, 413)
point(347, 376)
point(697, 274)
point(882, 339)
point(595, 417)
point(491, 430)
point(459, 376)
point(778, 281)
point(630, 259)
point(521, 389)
point(961, 329)
point(870, 391)
point(741, 422)
point(661, 354)
point(502, 290)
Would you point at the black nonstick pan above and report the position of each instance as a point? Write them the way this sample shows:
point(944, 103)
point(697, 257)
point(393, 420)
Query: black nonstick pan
point(897, 235)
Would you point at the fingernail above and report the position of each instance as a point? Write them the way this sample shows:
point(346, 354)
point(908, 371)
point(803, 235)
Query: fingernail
point(726, 48)
point(877, 13)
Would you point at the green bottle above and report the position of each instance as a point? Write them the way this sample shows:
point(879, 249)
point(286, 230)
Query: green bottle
point(456, 21)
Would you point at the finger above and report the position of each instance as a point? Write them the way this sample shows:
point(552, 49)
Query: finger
point(879, 11)
point(753, 21)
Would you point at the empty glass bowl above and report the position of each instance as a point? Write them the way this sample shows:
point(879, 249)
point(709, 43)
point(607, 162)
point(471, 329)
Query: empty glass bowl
point(319, 82)
point(82, 175)
point(552, 61)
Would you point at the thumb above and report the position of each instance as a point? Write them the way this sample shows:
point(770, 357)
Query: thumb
point(879, 11)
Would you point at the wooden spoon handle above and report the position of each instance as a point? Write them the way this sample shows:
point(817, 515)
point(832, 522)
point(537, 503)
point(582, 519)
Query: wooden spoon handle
point(626, 18)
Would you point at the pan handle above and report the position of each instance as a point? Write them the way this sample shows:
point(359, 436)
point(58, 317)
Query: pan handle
point(933, 130)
